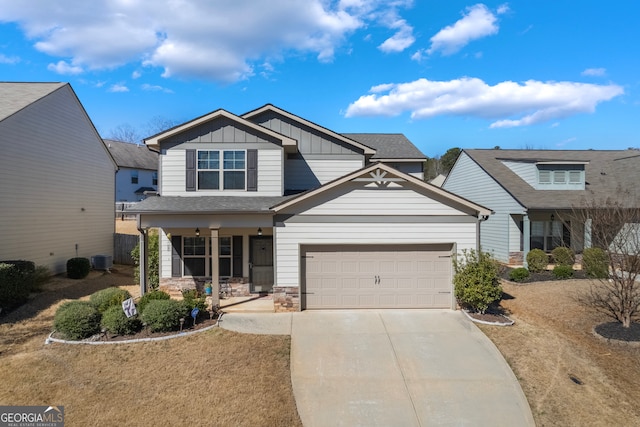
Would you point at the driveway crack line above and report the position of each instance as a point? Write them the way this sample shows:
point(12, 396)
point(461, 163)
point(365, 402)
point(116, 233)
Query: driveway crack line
point(404, 379)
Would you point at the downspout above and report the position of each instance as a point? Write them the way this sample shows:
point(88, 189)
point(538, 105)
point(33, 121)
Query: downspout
point(480, 219)
point(144, 248)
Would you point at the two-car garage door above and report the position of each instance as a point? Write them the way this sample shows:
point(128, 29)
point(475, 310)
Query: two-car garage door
point(376, 276)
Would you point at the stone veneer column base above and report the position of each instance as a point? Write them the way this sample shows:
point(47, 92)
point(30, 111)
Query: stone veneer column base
point(286, 298)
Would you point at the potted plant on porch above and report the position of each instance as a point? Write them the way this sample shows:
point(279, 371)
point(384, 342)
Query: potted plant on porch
point(208, 289)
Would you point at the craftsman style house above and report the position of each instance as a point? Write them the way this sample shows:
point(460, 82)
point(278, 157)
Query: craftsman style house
point(535, 194)
point(275, 203)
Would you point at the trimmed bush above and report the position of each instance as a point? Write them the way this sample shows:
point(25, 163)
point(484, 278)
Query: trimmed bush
point(150, 296)
point(476, 280)
point(562, 271)
point(192, 300)
point(22, 266)
point(537, 260)
point(163, 315)
point(115, 321)
point(563, 256)
point(14, 289)
point(78, 268)
point(519, 274)
point(109, 297)
point(77, 320)
point(595, 263)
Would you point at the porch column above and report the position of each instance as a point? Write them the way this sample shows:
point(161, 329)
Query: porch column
point(526, 238)
point(215, 256)
point(144, 250)
point(587, 233)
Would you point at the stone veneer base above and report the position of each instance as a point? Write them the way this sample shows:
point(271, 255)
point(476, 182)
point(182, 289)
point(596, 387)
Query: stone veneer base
point(286, 298)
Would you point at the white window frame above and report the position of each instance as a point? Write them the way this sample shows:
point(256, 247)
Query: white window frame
point(221, 170)
point(135, 179)
point(206, 256)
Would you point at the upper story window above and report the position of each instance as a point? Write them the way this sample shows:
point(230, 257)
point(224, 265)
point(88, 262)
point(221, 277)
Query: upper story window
point(561, 176)
point(221, 169)
point(154, 178)
point(134, 177)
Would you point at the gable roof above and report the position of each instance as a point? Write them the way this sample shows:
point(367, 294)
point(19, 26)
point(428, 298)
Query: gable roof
point(386, 170)
point(289, 144)
point(606, 172)
point(15, 96)
point(134, 156)
point(388, 146)
point(291, 116)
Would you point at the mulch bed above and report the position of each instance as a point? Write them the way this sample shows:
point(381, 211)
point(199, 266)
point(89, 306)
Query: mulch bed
point(615, 331)
point(494, 315)
point(544, 276)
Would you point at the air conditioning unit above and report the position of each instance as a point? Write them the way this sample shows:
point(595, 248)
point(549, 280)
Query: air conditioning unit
point(102, 262)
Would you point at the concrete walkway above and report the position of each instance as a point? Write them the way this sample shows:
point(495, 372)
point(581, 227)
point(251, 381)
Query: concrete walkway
point(393, 368)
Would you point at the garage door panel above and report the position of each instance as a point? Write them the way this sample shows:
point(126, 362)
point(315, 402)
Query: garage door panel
point(377, 276)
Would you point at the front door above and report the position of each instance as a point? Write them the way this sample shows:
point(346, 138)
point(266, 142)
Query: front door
point(261, 263)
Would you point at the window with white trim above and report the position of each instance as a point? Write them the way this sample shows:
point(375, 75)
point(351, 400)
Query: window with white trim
point(195, 256)
point(560, 177)
point(134, 176)
point(232, 168)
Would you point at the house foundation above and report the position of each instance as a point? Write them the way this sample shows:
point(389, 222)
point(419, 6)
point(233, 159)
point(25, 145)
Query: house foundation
point(286, 298)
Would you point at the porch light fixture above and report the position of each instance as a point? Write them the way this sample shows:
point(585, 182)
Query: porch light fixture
point(197, 232)
point(553, 217)
point(259, 231)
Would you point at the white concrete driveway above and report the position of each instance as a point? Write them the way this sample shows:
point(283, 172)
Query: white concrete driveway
point(400, 368)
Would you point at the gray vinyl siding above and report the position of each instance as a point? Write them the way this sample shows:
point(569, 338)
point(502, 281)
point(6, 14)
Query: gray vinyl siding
point(301, 174)
point(57, 184)
point(291, 235)
point(270, 179)
point(468, 180)
point(527, 171)
point(219, 130)
point(411, 168)
point(310, 141)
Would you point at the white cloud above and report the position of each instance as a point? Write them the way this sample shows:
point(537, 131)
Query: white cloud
point(118, 87)
point(155, 88)
point(136, 74)
point(478, 22)
point(598, 72)
point(503, 8)
point(4, 59)
point(508, 103)
point(62, 67)
point(221, 41)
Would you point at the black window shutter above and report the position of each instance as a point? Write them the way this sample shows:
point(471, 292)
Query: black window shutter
point(237, 256)
point(252, 170)
point(191, 170)
point(176, 256)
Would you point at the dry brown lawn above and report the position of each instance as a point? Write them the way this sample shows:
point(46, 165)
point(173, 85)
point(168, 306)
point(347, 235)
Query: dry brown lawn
point(128, 226)
point(216, 377)
point(551, 342)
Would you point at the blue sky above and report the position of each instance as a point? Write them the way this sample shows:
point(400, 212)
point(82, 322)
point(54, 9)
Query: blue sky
point(519, 74)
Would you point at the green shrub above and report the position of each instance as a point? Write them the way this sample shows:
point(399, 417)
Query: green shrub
point(563, 256)
point(115, 321)
point(77, 320)
point(153, 265)
point(537, 260)
point(562, 271)
point(476, 280)
point(595, 263)
point(150, 296)
point(163, 315)
point(78, 268)
point(191, 299)
point(14, 290)
point(518, 274)
point(22, 266)
point(41, 275)
point(109, 297)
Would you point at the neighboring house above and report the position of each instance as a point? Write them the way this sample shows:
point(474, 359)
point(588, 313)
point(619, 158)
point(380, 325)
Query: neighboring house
point(276, 203)
point(137, 170)
point(57, 186)
point(534, 193)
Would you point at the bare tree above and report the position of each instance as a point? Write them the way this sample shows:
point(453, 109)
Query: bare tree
point(613, 225)
point(159, 124)
point(125, 133)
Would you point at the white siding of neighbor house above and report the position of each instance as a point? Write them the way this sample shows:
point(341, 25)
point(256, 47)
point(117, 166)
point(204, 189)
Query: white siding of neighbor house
point(394, 230)
point(125, 190)
point(57, 184)
point(300, 174)
point(468, 180)
point(270, 177)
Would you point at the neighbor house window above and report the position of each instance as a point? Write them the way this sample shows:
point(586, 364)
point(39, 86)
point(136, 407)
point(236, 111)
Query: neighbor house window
point(548, 235)
point(232, 167)
point(195, 256)
point(154, 178)
point(560, 177)
point(134, 177)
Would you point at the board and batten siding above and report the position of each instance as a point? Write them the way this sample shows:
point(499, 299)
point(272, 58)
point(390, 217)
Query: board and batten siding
point(289, 236)
point(468, 180)
point(57, 185)
point(270, 177)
